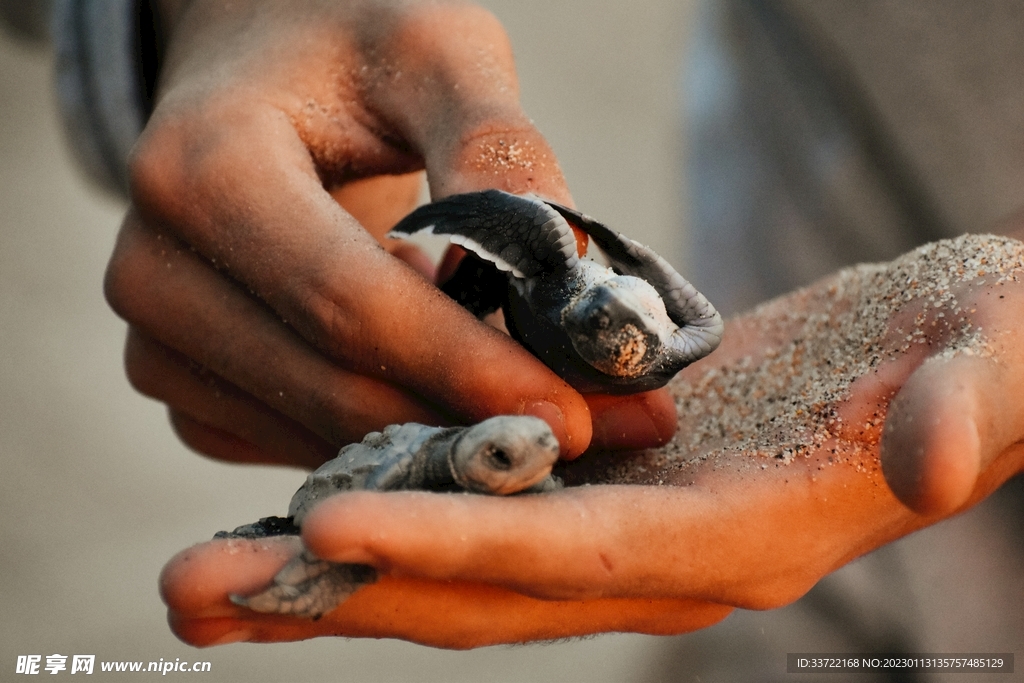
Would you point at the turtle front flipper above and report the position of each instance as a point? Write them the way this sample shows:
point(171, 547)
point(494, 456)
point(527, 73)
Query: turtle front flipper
point(308, 587)
point(522, 236)
point(700, 325)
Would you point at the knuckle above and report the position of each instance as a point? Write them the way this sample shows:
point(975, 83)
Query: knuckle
point(124, 277)
point(192, 433)
point(141, 377)
point(329, 324)
point(152, 166)
point(184, 147)
point(214, 442)
point(115, 290)
point(142, 371)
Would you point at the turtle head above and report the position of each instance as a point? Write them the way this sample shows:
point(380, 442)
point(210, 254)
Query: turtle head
point(617, 325)
point(504, 454)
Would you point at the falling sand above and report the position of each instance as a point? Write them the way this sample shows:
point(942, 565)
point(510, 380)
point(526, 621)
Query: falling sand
point(791, 399)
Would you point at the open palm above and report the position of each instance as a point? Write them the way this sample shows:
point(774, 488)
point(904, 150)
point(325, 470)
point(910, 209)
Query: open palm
point(830, 422)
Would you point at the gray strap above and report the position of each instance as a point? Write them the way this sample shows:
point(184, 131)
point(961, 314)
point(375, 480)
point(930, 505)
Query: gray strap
point(98, 85)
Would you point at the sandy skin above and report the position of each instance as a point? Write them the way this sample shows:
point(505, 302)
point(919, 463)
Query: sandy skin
point(702, 526)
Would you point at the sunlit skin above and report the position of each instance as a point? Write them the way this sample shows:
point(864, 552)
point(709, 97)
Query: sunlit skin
point(464, 571)
point(265, 313)
point(286, 140)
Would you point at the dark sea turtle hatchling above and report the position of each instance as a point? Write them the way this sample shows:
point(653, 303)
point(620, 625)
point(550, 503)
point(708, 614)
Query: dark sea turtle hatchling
point(502, 455)
point(621, 330)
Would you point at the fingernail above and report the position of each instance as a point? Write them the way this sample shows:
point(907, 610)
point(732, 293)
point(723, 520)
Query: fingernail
point(233, 636)
point(625, 426)
point(552, 414)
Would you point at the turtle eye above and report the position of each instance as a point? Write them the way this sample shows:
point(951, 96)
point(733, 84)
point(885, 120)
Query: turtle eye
point(498, 459)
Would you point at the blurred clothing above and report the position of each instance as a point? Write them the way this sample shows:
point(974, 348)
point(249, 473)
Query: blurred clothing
point(824, 133)
point(107, 59)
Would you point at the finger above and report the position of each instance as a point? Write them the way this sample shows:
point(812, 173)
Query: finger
point(222, 444)
point(213, 416)
point(378, 202)
point(450, 261)
point(573, 545)
point(417, 259)
point(157, 284)
point(580, 543)
point(946, 428)
point(195, 585)
point(467, 124)
point(632, 422)
point(280, 233)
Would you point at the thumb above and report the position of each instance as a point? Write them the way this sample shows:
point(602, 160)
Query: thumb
point(946, 428)
point(457, 103)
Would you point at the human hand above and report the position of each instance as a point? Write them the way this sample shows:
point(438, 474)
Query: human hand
point(287, 138)
point(908, 369)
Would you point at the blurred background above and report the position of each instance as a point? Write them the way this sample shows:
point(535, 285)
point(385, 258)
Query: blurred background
point(96, 491)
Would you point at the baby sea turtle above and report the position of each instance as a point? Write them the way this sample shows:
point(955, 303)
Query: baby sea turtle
point(621, 330)
point(502, 455)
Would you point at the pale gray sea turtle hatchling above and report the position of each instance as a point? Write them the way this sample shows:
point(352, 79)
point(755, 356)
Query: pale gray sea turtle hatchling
point(623, 329)
point(502, 455)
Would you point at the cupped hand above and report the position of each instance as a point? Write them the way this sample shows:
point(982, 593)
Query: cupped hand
point(266, 307)
point(830, 422)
